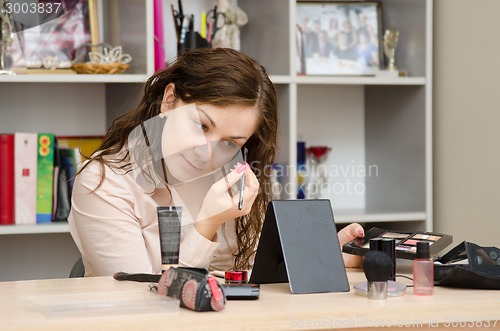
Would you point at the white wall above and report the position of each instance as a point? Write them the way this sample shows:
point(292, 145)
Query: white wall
point(467, 120)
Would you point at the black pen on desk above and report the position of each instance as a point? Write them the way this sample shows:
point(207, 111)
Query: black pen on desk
point(145, 278)
point(240, 203)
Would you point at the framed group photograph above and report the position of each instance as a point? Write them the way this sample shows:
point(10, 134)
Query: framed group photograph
point(339, 38)
point(54, 43)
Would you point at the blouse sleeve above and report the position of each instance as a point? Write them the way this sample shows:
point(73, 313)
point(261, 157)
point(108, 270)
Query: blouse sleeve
point(196, 251)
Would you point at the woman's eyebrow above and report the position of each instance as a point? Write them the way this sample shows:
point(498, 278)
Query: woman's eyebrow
point(208, 117)
point(214, 125)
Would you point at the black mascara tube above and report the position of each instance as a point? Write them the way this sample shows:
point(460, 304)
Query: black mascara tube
point(375, 244)
point(169, 222)
point(388, 246)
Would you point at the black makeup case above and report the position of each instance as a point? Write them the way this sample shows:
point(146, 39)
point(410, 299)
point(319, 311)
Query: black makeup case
point(468, 265)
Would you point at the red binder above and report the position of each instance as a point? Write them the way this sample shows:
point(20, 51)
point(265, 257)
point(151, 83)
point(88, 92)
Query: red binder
point(6, 179)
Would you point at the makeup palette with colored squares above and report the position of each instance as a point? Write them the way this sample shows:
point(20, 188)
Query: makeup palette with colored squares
point(406, 242)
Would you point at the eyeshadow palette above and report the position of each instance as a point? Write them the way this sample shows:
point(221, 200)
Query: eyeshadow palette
point(406, 242)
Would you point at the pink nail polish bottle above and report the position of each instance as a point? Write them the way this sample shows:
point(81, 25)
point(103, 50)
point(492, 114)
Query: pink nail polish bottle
point(423, 271)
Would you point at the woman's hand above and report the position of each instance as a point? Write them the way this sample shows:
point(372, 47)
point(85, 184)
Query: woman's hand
point(347, 234)
point(219, 207)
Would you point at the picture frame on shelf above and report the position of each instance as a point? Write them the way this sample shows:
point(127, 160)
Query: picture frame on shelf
point(53, 44)
point(339, 38)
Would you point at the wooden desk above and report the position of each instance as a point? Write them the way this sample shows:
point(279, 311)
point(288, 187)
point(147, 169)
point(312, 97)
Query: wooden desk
point(276, 309)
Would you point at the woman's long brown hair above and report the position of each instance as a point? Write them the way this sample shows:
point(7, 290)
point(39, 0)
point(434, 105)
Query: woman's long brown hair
point(221, 77)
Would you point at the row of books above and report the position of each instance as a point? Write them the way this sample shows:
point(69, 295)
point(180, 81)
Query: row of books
point(37, 172)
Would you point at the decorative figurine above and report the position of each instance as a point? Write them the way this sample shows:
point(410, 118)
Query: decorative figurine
point(229, 33)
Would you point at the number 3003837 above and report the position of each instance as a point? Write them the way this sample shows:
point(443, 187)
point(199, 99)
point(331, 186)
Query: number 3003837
point(33, 8)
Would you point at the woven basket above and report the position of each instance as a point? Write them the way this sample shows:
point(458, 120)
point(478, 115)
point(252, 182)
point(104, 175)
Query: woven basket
point(100, 68)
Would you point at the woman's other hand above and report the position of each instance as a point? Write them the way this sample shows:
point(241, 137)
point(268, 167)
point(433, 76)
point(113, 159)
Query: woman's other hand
point(347, 234)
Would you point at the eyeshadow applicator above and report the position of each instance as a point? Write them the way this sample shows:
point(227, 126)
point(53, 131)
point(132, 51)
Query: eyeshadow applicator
point(242, 186)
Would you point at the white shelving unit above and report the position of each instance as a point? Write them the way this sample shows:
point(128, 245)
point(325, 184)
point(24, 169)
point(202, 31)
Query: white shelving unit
point(368, 121)
point(34, 229)
point(68, 104)
point(386, 122)
point(69, 78)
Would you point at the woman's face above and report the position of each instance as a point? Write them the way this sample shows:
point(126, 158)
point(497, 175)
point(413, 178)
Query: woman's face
point(200, 138)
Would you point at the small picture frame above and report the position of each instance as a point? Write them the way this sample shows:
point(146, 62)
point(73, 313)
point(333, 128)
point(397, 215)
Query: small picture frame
point(339, 38)
point(53, 44)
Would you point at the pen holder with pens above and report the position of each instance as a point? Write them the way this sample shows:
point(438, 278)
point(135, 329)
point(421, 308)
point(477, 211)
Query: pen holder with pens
point(212, 22)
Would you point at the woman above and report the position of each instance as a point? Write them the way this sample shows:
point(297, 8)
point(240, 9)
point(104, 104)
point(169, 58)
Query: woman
point(207, 101)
